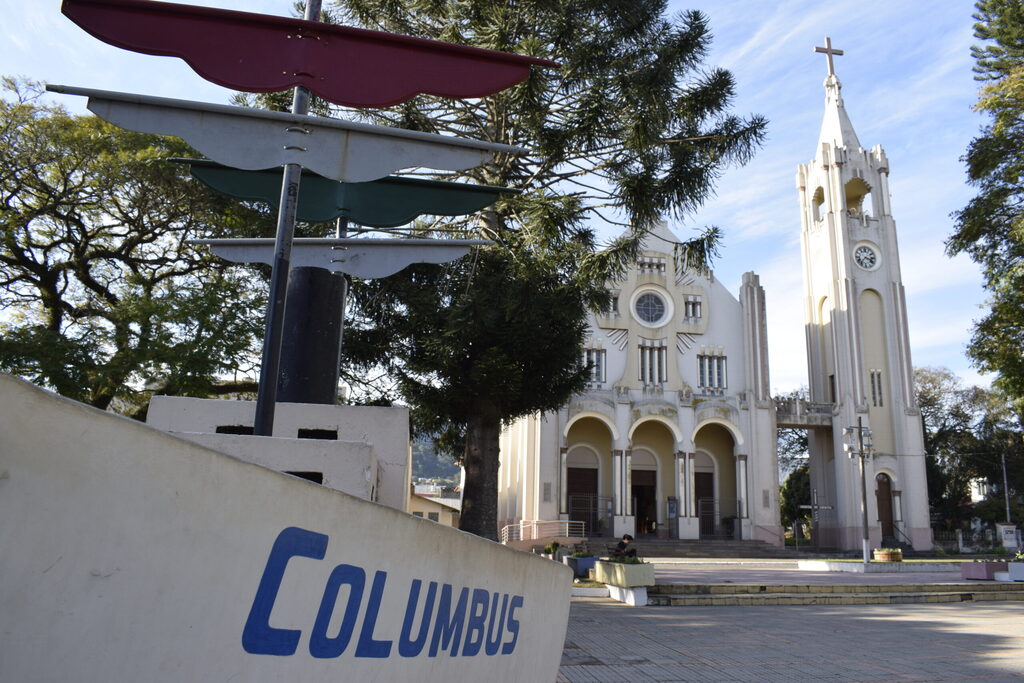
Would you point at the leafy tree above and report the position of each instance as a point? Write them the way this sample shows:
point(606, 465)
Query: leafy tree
point(795, 491)
point(101, 298)
point(948, 413)
point(791, 442)
point(967, 432)
point(629, 129)
point(990, 229)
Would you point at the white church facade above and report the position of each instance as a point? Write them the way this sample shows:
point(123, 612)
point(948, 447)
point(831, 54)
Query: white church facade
point(675, 435)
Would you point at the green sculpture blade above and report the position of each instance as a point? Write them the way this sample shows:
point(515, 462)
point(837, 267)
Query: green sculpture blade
point(384, 203)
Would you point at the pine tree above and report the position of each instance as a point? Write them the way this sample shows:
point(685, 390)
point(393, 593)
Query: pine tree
point(631, 129)
point(990, 229)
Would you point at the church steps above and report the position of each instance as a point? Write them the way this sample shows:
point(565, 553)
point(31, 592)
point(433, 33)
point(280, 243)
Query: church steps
point(704, 595)
point(651, 548)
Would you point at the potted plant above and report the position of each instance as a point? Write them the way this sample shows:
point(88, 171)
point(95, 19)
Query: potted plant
point(625, 572)
point(580, 563)
point(550, 550)
point(887, 555)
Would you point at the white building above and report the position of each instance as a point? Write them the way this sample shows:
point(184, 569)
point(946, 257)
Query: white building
point(676, 435)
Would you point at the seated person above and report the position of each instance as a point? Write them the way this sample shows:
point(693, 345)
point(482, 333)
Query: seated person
point(623, 549)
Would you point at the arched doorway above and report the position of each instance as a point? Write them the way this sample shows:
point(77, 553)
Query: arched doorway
point(704, 493)
point(644, 490)
point(883, 497)
point(586, 486)
point(652, 463)
point(715, 494)
point(582, 486)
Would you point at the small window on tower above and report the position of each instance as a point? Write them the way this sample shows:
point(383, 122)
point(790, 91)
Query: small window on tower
point(876, 388)
point(817, 200)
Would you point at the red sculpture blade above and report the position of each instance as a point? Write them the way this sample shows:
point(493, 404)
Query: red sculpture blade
point(264, 53)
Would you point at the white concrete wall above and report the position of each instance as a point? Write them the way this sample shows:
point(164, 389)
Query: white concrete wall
point(348, 466)
point(384, 430)
point(132, 555)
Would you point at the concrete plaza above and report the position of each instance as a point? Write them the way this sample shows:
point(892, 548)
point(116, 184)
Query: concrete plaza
point(609, 641)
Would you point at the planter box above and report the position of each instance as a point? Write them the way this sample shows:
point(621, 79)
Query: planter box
point(1015, 570)
point(887, 555)
point(984, 571)
point(580, 565)
point(624, 575)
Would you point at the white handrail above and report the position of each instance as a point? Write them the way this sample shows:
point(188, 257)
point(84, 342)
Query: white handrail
point(527, 530)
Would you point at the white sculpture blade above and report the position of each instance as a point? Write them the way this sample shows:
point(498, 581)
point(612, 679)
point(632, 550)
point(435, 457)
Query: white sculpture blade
point(255, 139)
point(360, 257)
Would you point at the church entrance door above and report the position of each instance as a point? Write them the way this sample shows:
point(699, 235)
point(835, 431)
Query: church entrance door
point(645, 500)
point(581, 489)
point(704, 494)
point(883, 495)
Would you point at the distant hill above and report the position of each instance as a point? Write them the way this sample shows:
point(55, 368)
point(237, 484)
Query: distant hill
point(427, 463)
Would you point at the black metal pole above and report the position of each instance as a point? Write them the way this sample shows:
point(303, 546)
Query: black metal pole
point(263, 424)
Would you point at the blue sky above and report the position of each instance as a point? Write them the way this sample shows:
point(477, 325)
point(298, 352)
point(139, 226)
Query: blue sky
point(907, 85)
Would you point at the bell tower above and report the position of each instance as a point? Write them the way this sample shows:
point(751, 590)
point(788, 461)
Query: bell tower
point(858, 349)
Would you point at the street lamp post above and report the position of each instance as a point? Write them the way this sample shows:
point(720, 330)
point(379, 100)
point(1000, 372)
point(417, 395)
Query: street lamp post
point(858, 445)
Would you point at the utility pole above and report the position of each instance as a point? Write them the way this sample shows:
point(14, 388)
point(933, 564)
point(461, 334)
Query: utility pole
point(859, 446)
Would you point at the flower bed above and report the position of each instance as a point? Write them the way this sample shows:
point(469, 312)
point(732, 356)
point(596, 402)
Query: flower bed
point(624, 575)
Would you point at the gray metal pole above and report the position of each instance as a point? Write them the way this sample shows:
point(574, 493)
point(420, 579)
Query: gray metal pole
point(270, 367)
point(863, 488)
point(1006, 488)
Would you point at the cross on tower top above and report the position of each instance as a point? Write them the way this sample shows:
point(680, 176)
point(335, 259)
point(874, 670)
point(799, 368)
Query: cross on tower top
point(828, 50)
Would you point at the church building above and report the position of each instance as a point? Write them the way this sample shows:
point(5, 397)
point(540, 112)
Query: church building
point(675, 436)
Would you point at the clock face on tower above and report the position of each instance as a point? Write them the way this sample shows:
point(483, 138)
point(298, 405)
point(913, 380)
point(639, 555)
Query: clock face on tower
point(866, 257)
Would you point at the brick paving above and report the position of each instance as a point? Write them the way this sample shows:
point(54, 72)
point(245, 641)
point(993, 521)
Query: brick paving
point(969, 641)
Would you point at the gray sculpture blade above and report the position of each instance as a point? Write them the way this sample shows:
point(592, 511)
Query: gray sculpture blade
point(359, 257)
point(255, 139)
